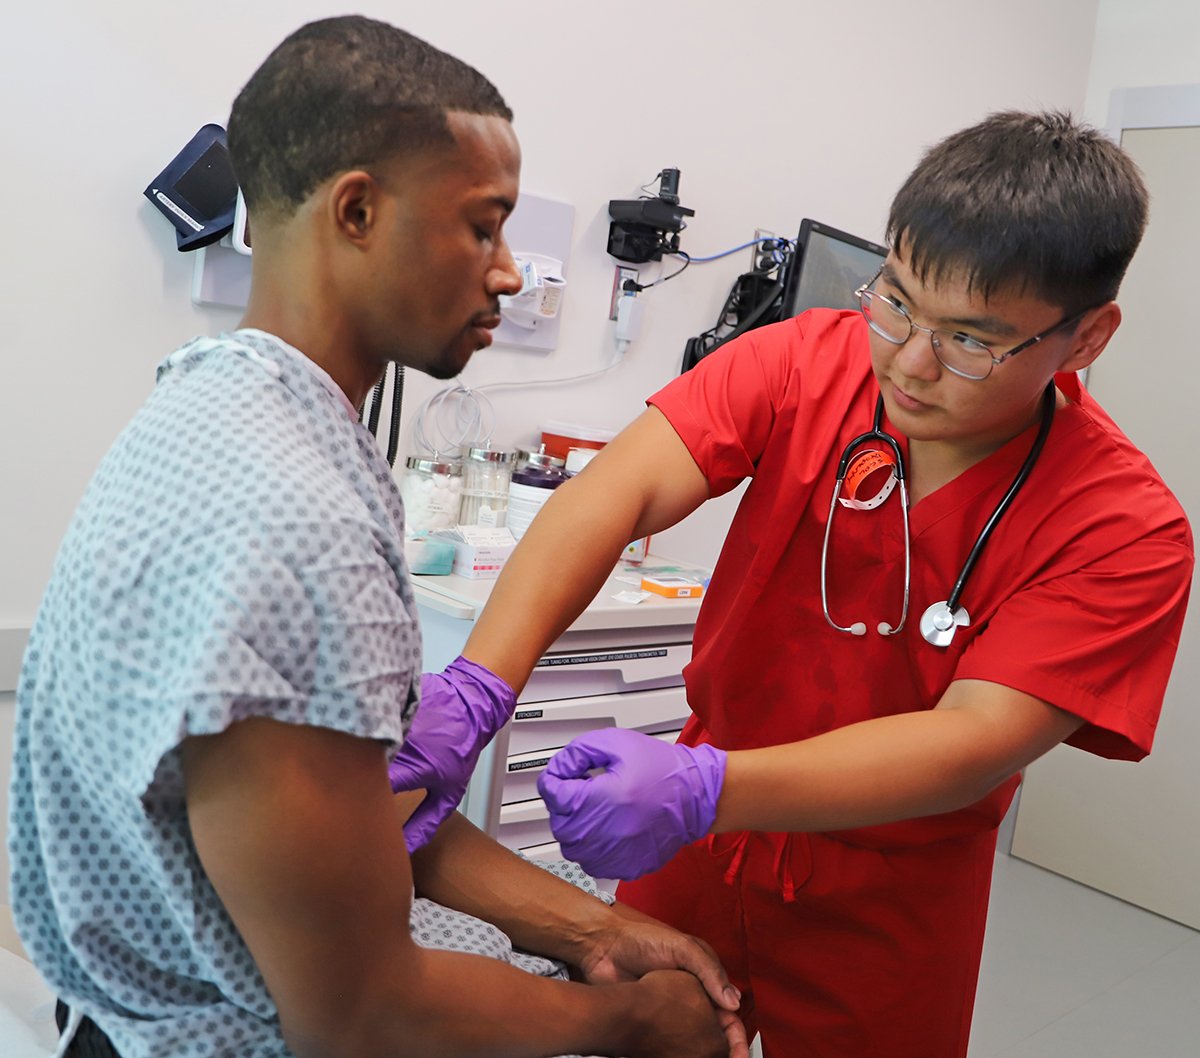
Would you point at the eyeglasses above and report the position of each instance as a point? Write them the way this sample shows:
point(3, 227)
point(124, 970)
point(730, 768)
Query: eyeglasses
point(958, 353)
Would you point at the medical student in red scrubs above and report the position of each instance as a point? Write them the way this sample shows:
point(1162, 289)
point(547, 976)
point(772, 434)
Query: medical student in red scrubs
point(828, 819)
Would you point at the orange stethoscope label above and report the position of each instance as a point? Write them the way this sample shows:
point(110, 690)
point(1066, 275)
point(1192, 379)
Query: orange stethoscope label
point(870, 478)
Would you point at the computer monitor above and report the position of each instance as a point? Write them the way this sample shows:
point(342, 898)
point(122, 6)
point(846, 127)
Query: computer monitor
point(828, 266)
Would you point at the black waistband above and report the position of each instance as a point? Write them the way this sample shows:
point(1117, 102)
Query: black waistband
point(89, 1041)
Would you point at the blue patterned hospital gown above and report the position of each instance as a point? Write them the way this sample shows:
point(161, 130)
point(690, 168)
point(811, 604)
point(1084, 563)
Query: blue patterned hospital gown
point(239, 552)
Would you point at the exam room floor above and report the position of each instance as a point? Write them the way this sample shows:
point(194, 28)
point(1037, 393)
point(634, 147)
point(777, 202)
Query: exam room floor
point(1069, 972)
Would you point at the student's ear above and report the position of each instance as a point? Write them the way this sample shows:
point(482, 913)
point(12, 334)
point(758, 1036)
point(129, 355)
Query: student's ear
point(353, 205)
point(1091, 335)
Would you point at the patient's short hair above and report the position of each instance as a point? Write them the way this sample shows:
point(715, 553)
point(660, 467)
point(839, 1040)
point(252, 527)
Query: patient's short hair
point(1030, 203)
point(342, 93)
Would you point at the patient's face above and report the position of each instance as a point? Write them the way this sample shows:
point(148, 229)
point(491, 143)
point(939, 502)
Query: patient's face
point(443, 261)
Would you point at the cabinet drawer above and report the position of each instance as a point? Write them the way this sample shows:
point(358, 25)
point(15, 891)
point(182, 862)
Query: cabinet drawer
point(543, 725)
point(577, 674)
point(523, 824)
point(547, 851)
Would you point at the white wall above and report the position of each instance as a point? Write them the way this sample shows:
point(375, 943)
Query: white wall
point(1141, 43)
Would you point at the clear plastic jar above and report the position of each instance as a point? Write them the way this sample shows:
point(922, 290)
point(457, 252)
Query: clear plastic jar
point(432, 493)
point(486, 476)
point(532, 484)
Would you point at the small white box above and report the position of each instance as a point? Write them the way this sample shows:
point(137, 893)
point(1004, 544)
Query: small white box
point(479, 551)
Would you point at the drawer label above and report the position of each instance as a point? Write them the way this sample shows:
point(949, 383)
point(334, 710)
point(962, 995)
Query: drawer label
point(525, 765)
point(528, 714)
point(592, 659)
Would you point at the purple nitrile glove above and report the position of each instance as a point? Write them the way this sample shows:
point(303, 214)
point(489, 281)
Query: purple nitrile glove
point(651, 799)
point(461, 710)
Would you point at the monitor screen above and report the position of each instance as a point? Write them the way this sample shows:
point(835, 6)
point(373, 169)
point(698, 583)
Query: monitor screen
point(208, 184)
point(829, 265)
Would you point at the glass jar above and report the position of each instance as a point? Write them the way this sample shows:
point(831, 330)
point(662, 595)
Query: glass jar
point(486, 476)
point(432, 493)
point(533, 482)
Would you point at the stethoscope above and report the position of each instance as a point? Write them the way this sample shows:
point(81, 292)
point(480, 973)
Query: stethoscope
point(942, 619)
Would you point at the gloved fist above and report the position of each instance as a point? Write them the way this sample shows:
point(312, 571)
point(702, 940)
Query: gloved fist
point(461, 710)
point(650, 800)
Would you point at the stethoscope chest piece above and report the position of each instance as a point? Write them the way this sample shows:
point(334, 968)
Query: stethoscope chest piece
point(939, 623)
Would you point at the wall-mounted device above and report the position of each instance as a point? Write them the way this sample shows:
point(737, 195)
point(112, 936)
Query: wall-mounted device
point(197, 191)
point(541, 293)
point(822, 269)
point(540, 230)
point(643, 229)
point(239, 237)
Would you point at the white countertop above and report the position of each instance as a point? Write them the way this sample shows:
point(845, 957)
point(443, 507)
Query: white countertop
point(27, 1027)
point(464, 598)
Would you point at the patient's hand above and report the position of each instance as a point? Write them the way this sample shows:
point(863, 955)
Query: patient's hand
point(637, 944)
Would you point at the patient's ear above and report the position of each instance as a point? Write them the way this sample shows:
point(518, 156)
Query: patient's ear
point(353, 203)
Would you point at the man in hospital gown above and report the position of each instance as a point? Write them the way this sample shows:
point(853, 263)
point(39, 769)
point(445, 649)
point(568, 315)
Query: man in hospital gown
point(207, 857)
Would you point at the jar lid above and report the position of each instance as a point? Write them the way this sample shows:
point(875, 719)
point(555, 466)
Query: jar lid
point(542, 458)
point(432, 466)
point(490, 455)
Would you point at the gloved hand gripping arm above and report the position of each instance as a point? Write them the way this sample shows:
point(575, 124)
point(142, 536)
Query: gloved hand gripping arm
point(460, 712)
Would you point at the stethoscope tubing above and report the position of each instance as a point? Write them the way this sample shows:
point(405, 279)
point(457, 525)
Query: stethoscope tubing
point(1049, 399)
point(951, 606)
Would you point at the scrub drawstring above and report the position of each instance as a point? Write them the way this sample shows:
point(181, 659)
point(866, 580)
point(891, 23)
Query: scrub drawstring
point(739, 854)
point(782, 868)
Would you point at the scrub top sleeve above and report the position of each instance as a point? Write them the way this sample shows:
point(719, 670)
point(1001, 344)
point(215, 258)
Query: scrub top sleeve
point(725, 408)
point(1098, 643)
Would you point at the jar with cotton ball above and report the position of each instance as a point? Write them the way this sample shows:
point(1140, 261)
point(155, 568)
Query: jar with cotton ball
point(432, 492)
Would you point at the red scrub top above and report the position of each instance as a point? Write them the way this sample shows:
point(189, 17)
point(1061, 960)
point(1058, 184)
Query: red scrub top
point(1077, 599)
point(872, 935)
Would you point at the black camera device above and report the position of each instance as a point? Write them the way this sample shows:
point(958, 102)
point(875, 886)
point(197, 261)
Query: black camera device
point(643, 229)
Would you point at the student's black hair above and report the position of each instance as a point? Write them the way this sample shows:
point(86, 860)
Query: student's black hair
point(1028, 203)
point(341, 93)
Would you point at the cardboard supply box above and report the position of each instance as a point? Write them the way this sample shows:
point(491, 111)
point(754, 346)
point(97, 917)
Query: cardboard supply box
point(673, 586)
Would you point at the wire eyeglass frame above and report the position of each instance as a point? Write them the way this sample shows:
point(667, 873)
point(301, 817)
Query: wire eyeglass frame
point(866, 295)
